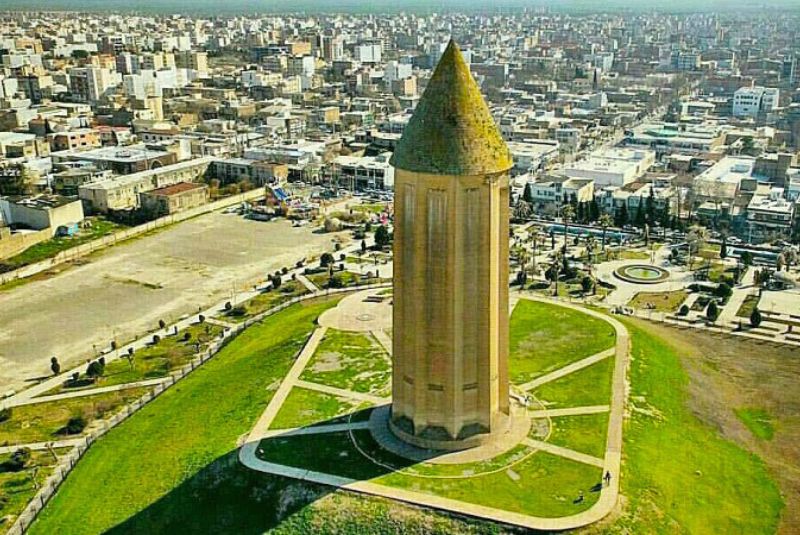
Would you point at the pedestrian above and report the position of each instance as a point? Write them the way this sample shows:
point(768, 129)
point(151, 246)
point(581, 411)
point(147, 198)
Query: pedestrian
point(607, 477)
point(580, 497)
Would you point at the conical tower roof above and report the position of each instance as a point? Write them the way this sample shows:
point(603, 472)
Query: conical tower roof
point(452, 131)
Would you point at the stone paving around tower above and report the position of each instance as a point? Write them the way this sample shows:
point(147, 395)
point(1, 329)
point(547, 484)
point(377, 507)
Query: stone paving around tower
point(328, 397)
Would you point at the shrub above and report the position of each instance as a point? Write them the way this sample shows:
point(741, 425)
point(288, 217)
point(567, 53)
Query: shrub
point(187, 336)
point(755, 318)
point(284, 270)
point(162, 324)
point(201, 318)
point(17, 461)
point(684, 310)
point(238, 311)
point(95, 369)
point(228, 306)
point(75, 425)
point(382, 236)
point(335, 282)
point(326, 259)
point(587, 283)
point(712, 312)
point(276, 281)
point(156, 339)
point(5, 414)
point(723, 291)
point(55, 366)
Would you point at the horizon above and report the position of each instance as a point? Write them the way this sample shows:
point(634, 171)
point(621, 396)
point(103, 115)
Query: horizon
point(305, 7)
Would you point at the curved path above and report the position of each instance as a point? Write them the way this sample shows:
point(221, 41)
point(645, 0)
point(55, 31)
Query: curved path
point(611, 461)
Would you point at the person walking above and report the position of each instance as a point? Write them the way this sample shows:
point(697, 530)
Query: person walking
point(607, 478)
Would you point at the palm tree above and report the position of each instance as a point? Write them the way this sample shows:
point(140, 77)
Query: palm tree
point(523, 210)
point(605, 222)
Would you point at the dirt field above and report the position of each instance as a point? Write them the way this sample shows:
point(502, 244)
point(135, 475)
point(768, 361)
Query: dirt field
point(730, 373)
point(125, 290)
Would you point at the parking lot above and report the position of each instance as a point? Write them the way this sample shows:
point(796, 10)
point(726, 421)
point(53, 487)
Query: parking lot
point(123, 291)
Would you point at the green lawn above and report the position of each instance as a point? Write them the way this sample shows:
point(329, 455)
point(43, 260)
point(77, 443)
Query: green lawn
point(307, 407)
point(352, 361)
point(748, 305)
point(585, 433)
point(42, 422)
point(589, 386)
point(758, 421)
point(659, 301)
point(544, 337)
point(540, 484)
point(18, 487)
point(156, 360)
point(50, 248)
point(153, 467)
point(266, 300)
point(680, 475)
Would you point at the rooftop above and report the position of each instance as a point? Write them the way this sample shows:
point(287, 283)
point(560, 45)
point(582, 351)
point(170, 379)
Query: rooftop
point(452, 131)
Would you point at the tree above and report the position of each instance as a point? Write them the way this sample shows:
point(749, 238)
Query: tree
point(639, 219)
point(75, 425)
point(17, 461)
point(651, 207)
point(723, 249)
point(755, 318)
point(326, 259)
point(382, 237)
point(747, 258)
point(684, 310)
point(5, 414)
point(723, 291)
point(363, 246)
point(129, 356)
point(605, 222)
point(276, 281)
point(587, 283)
point(621, 216)
point(712, 312)
point(527, 194)
point(95, 369)
point(568, 214)
point(55, 367)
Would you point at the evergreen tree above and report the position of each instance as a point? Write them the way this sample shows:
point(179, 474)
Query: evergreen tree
point(527, 194)
point(639, 220)
point(621, 216)
point(594, 210)
point(651, 207)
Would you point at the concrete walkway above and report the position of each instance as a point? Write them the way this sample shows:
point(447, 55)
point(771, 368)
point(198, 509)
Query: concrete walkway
point(384, 340)
point(570, 411)
point(84, 392)
point(317, 429)
point(565, 452)
point(740, 293)
point(341, 392)
point(37, 446)
point(611, 461)
point(568, 369)
point(262, 426)
point(310, 286)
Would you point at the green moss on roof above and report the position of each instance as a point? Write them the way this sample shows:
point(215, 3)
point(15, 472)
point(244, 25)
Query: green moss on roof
point(452, 131)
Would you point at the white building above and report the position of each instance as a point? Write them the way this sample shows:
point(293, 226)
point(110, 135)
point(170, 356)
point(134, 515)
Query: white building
point(750, 101)
point(616, 167)
point(364, 172)
point(368, 53)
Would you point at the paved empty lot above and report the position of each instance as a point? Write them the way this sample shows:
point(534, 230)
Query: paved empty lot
point(127, 289)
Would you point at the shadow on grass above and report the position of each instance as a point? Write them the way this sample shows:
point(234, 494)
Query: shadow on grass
point(224, 496)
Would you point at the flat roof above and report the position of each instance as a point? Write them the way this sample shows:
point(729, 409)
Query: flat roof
point(175, 189)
